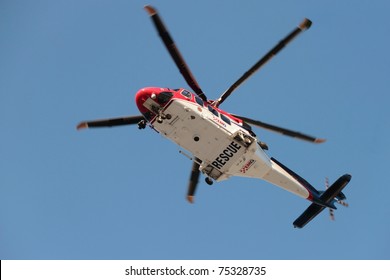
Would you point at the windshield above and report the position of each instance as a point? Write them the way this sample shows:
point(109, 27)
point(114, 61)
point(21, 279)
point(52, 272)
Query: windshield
point(164, 96)
point(186, 93)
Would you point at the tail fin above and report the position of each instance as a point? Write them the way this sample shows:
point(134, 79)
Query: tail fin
point(326, 198)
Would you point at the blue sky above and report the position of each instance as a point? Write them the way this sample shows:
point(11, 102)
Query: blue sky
point(120, 193)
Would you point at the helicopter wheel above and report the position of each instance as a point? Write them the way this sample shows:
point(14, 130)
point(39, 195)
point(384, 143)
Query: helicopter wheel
point(209, 181)
point(141, 124)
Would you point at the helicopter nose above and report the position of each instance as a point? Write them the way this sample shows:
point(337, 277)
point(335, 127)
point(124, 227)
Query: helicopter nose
point(160, 96)
point(141, 96)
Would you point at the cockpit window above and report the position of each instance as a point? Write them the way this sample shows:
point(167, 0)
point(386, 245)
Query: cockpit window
point(199, 101)
point(164, 96)
point(212, 110)
point(186, 93)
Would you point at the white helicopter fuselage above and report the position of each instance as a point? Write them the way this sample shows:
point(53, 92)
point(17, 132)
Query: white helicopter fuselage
point(223, 147)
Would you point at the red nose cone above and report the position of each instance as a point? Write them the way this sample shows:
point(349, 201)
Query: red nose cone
point(157, 96)
point(141, 96)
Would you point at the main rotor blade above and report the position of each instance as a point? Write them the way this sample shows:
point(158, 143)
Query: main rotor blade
point(305, 24)
point(193, 182)
point(174, 52)
point(282, 130)
point(111, 122)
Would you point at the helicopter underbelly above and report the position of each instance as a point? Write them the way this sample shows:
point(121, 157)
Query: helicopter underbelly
point(224, 150)
point(210, 139)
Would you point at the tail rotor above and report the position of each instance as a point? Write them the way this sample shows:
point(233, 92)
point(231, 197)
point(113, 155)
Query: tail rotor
point(340, 200)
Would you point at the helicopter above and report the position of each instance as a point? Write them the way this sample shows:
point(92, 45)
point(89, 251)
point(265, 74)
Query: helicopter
point(222, 144)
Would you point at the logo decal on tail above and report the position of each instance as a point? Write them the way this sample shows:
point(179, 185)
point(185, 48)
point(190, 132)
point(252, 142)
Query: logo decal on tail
point(247, 166)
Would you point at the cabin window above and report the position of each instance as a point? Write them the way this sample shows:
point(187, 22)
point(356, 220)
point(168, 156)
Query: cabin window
point(225, 119)
point(186, 93)
point(164, 96)
point(199, 101)
point(212, 110)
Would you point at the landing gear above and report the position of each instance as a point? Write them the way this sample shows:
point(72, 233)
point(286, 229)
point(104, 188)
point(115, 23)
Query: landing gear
point(263, 145)
point(209, 181)
point(141, 124)
point(244, 139)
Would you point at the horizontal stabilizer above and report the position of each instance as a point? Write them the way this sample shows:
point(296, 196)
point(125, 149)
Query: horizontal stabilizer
point(336, 188)
point(327, 198)
point(310, 213)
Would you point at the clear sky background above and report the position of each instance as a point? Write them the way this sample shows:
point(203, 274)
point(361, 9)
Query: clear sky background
point(120, 193)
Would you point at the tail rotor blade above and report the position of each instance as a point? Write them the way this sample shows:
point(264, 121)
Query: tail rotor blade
point(110, 122)
point(304, 25)
point(282, 130)
point(343, 203)
point(174, 52)
point(339, 201)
